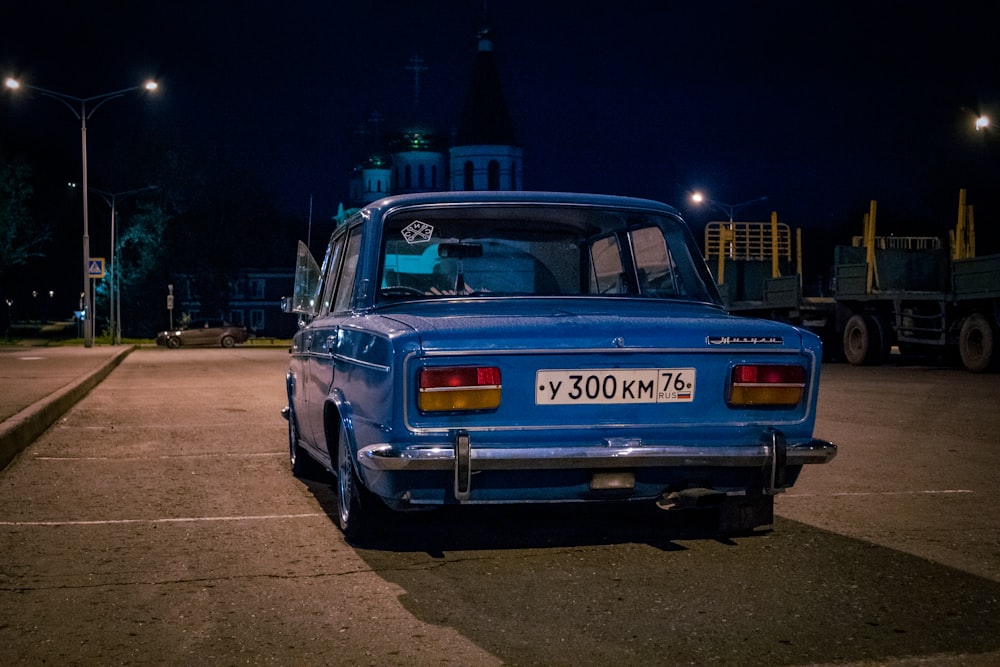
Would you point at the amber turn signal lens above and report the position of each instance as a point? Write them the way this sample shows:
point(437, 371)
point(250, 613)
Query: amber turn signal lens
point(458, 388)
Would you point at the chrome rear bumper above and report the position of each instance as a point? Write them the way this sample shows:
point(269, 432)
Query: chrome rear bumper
point(442, 457)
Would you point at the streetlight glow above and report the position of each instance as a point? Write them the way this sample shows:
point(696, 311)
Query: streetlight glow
point(982, 123)
point(728, 209)
point(83, 115)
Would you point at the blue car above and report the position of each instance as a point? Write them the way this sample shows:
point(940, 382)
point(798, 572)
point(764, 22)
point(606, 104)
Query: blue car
point(518, 347)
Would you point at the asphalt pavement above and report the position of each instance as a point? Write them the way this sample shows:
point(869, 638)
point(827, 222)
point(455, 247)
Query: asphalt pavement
point(38, 383)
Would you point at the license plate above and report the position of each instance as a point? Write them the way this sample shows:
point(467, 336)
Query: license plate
point(614, 386)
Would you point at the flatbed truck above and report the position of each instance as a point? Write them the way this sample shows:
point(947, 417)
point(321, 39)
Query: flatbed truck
point(916, 293)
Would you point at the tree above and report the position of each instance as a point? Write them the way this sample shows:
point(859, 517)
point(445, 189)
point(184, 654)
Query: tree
point(20, 239)
point(142, 273)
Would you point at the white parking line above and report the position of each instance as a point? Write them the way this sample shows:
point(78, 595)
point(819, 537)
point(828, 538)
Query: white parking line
point(879, 493)
point(190, 519)
point(212, 455)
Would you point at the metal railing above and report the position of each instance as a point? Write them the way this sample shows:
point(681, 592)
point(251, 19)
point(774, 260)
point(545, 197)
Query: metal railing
point(746, 240)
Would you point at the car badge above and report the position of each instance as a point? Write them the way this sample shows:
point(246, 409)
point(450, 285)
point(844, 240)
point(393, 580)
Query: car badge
point(745, 340)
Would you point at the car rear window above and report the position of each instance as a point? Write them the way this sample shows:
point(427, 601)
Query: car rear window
point(538, 251)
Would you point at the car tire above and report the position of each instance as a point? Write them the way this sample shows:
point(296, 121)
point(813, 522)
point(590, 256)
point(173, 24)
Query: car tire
point(228, 341)
point(864, 341)
point(358, 507)
point(300, 462)
point(173, 342)
point(977, 343)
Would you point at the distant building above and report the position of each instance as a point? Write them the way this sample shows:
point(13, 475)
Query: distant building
point(254, 301)
point(483, 154)
point(486, 155)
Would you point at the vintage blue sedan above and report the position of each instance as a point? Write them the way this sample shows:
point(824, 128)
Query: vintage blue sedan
point(517, 347)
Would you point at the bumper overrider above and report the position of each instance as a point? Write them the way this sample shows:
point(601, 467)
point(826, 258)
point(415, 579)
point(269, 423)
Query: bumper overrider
point(772, 454)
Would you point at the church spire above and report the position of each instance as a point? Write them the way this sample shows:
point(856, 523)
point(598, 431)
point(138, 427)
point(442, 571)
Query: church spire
point(485, 117)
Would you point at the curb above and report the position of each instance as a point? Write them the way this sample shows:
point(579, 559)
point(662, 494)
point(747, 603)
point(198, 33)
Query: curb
point(27, 425)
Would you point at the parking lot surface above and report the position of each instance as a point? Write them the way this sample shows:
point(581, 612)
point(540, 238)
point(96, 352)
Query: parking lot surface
point(156, 522)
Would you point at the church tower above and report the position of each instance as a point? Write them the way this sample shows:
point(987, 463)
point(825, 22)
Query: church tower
point(419, 156)
point(485, 155)
point(372, 178)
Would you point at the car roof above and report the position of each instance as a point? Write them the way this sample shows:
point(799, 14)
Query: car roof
point(382, 206)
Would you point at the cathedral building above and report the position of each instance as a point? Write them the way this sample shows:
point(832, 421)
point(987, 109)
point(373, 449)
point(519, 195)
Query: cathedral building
point(482, 154)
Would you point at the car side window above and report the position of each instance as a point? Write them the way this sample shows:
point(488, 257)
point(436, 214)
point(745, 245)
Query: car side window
point(654, 263)
point(349, 269)
point(331, 263)
point(607, 275)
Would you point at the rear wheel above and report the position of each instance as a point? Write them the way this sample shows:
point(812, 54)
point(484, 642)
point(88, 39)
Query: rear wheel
point(976, 342)
point(359, 507)
point(228, 341)
point(300, 462)
point(865, 342)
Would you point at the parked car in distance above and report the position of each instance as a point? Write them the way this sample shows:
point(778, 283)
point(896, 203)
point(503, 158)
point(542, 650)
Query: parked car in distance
point(518, 347)
point(204, 332)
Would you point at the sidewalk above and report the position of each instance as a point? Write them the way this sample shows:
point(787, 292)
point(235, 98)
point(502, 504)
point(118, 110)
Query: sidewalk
point(39, 383)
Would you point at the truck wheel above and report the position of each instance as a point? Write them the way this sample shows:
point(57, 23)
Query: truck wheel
point(864, 341)
point(975, 343)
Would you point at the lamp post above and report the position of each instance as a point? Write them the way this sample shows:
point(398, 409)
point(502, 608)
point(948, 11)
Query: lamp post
point(114, 300)
point(83, 115)
point(728, 209)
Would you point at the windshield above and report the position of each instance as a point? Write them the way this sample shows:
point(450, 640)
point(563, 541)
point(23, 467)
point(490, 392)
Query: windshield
point(539, 251)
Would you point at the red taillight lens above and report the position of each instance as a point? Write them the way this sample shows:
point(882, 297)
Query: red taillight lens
point(767, 385)
point(459, 376)
point(451, 388)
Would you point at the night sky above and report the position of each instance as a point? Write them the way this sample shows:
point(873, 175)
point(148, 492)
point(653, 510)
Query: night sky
point(820, 106)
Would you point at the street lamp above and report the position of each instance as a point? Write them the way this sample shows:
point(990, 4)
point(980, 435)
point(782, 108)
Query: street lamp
point(114, 300)
point(82, 114)
point(728, 209)
point(982, 123)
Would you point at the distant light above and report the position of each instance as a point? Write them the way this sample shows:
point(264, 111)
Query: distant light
point(982, 123)
point(697, 198)
point(151, 85)
point(13, 84)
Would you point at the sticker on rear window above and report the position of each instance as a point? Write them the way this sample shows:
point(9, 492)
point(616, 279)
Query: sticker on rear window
point(418, 232)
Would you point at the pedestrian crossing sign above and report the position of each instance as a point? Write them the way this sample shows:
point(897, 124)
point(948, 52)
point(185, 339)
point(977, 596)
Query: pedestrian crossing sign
point(95, 267)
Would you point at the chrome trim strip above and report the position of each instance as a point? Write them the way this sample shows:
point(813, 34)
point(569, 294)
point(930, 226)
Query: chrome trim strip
point(382, 456)
point(797, 351)
point(358, 362)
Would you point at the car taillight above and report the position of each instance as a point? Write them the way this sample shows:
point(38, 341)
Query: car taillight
point(451, 388)
point(767, 385)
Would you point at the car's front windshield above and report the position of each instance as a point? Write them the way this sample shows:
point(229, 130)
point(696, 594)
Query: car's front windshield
point(538, 251)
